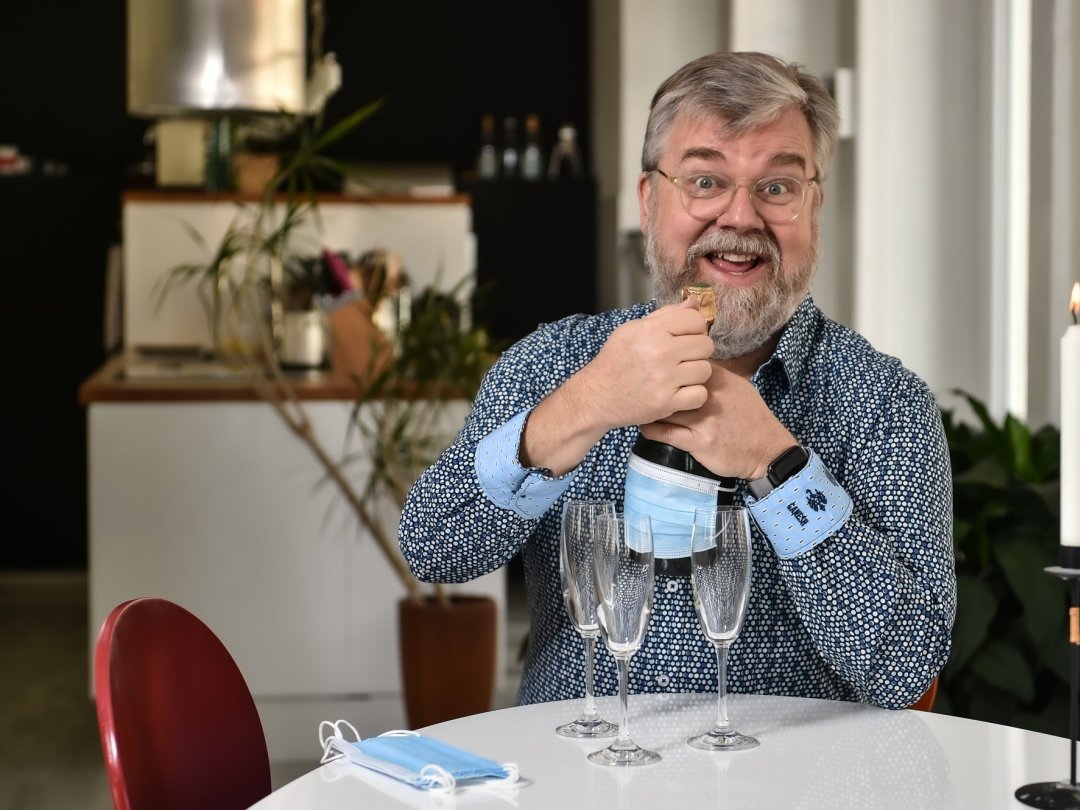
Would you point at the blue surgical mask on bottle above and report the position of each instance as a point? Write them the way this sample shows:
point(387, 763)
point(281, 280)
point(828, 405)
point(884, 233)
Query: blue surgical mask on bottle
point(667, 484)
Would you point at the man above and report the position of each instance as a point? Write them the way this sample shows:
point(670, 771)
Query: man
point(840, 450)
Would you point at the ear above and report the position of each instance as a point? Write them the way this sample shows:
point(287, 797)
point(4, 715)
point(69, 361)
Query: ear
point(644, 194)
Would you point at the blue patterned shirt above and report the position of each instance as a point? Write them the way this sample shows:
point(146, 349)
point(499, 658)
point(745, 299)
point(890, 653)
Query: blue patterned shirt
point(862, 614)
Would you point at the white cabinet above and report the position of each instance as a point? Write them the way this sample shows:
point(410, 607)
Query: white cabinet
point(216, 506)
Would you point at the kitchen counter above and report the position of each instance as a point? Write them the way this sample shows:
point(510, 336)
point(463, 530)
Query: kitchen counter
point(198, 491)
point(111, 383)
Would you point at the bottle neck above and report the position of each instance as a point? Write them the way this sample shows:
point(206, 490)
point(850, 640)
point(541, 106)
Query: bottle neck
point(676, 459)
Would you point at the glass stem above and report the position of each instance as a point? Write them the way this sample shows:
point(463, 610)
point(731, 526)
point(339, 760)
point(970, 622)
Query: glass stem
point(723, 725)
point(623, 740)
point(590, 688)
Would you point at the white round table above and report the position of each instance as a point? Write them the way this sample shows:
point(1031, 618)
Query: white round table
point(813, 754)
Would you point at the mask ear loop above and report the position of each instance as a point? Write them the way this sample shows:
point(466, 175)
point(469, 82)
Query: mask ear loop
point(334, 732)
point(437, 779)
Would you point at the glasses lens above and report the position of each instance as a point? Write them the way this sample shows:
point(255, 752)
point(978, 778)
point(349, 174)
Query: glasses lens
point(708, 196)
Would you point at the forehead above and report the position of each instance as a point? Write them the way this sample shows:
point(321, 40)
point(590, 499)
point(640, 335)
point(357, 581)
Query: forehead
point(784, 142)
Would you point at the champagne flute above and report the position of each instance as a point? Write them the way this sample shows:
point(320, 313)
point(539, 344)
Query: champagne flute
point(720, 555)
point(579, 594)
point(623, 571)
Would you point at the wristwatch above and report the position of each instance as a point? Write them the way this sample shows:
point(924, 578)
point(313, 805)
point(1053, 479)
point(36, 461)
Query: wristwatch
point(780, 470)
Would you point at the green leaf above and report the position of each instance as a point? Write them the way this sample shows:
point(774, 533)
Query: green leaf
point(1003, 667)
point(346, 125)
point(1043, 608)
point(975, 606)
point(990, 429)
point(1019, 439)
point(989, 471)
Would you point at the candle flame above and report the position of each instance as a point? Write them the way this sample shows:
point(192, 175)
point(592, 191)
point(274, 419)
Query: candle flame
point(1074, 301)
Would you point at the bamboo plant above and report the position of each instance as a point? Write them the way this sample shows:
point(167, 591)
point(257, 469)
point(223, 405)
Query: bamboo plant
point(402, 423)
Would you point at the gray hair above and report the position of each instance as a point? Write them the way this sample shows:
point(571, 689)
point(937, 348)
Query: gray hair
point(749, 89)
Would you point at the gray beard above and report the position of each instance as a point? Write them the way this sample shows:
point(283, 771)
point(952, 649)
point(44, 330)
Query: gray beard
point(746, 317)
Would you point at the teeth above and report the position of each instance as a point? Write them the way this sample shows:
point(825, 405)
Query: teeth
point(737, 257)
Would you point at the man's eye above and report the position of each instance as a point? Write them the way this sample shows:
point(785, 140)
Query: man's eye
point(706, 184)
point(776, 188)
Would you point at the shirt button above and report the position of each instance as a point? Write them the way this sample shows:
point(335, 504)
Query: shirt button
point(662, 681)
point(672, 586)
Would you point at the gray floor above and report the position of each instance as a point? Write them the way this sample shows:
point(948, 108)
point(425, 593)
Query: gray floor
point(50, 753)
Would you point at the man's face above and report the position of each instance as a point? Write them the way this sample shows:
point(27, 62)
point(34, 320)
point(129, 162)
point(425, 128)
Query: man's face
point(759, 270)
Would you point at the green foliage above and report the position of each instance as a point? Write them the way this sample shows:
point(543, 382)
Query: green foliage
point(257, 248)
point(402, 414)
point(305, 164)
point(1009, 656)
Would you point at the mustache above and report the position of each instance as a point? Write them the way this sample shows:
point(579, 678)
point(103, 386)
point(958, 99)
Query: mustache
point(722, 241)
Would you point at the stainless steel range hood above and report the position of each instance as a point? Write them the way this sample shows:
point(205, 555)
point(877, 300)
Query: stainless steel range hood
point(192, 56)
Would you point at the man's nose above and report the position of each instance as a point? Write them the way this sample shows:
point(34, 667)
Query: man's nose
point(741, 214)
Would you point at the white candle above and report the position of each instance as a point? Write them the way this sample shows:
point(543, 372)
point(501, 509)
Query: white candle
point(1070, 426)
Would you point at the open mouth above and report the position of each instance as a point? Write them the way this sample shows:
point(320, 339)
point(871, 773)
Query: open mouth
point(734, 263)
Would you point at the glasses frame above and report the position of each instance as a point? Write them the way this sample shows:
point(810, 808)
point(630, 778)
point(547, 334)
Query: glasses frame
point(749, 186)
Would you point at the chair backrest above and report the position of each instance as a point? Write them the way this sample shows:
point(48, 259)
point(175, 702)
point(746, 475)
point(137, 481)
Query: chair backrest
point(926, 702)
point(179, 727)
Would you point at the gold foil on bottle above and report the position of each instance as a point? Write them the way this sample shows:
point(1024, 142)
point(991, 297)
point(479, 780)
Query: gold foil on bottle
point(706, 300)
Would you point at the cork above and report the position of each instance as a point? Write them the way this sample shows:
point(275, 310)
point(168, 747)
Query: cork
point(706, 302)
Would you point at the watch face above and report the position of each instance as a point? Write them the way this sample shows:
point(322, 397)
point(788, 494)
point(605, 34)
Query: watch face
point(780, 470)
point(787, 464)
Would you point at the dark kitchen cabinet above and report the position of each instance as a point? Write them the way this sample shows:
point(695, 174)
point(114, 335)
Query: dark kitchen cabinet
point(536, 252)
point(56, 237)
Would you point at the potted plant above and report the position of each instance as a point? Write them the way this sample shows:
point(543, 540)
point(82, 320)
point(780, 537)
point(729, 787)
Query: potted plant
point(1009, 656)
point(258, 144)
point(405, 414)
point(401, 417)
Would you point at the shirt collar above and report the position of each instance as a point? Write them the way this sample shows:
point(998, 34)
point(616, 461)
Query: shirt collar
point(788, 363)
point(790, 360)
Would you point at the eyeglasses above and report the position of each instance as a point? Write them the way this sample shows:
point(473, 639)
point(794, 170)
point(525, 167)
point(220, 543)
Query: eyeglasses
point(705, 197)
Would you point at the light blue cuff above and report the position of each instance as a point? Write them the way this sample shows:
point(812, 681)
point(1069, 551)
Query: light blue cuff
point(530, 491)
point(802, 511)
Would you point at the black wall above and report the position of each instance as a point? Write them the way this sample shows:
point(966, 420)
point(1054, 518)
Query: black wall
point(438, 67)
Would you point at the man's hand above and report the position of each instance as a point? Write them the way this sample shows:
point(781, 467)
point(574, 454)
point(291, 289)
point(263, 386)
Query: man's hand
point(647, 370)
point(733, 433)
point(650, 368)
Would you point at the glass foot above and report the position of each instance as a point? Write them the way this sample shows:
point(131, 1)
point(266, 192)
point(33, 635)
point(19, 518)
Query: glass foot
point(586, 726)
point(715, 740)
point(623, 757)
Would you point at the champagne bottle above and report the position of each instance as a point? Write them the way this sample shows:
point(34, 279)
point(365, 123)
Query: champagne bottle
point(675, 459)
point(510, 148)
point(487, 162)
point(531, 161)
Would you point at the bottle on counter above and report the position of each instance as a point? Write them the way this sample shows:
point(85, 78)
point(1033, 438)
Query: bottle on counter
point(532, 162)
point(565, 160)
point(510, 147)
point(487, 162)
point(219, 154)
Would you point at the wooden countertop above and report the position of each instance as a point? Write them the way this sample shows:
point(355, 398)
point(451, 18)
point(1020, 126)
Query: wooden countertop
point(110, 384)
point(322, 197)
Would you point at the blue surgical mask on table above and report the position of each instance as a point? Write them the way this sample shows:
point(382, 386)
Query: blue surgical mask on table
point(667, 484)
point(415, 759)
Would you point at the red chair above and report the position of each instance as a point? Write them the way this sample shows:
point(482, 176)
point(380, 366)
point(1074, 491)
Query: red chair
point(179, 727)
point(926, 702)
